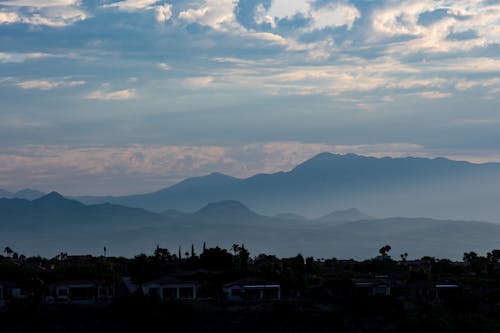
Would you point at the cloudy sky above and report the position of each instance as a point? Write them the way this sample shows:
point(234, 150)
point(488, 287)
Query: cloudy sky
point(114, 97)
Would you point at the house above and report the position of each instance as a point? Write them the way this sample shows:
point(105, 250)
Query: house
point(245, 290)
point(446, 290)
point(126, 287)
point(81, 292)
point(2, 293)
point(373, 287)
point(169, 288)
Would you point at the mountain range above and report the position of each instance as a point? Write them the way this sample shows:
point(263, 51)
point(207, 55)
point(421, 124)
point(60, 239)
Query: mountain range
point(26, 193)
point(52, 223)
point(438, 188)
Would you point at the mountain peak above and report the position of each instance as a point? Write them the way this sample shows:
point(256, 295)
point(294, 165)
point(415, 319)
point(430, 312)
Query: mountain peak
point(53, 196)
point(327, 159)
point(210, 180)
point(54, 199)
point(346, 215)
point(227, 208)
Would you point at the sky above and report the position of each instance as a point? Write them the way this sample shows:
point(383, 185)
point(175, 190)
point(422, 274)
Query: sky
point(117, 97)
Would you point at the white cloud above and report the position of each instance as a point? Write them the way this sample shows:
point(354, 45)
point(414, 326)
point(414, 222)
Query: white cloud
point(217, 14)
point(330, 15)
point(39, 3)
point(334, 15)
point(281, 9)
point(47, 84)
point(261, 16)
point(198, 82)
point(56, 13)
point(434, 95)
point(132, 5)
point(164, 66)
point(163, 13)
point(9, 17)
point(403, 18)
point(106, 95)
point(6, 57)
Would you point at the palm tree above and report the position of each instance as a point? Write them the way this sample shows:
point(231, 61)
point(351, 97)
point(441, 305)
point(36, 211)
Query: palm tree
point(236, 248)
point(8, 250)
point(383, 251)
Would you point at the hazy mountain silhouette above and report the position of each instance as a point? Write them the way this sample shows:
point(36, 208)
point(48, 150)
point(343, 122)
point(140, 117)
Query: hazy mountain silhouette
point(5, 194)
point(341, 216)
point(383, 186)
point(55, 210)
point(174, 213)
point(53, 223)
point(26, 193)
point(290, 216)
point(29, 194)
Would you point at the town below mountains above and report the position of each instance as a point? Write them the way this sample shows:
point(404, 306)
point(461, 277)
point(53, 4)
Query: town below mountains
point(287, 212)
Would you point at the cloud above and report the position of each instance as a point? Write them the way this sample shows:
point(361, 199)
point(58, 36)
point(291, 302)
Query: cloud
point(217, 14)
point(334, 15)
point(47, 84)
point(198, 82)
point(131, 5)
point(105, 95)
point(164, 66)
point(39, 3)
point(404, 18)
point(6, 57)
point(55, 13)
point(9, 17)
point(163, 13)
point(434, 95)
point(321, 16)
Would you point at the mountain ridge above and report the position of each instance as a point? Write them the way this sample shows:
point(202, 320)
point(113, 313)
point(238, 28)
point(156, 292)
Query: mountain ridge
point(53, 223)
point(409, 186)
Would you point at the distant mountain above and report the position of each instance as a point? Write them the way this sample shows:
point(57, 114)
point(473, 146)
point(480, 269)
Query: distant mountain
point(290, 216)
point(174, 213)
point(5, 194)
point(409, 186)
point(342, 216)
point(27, 193)
point(55, 210)
point(228, 210)
point(52, 224)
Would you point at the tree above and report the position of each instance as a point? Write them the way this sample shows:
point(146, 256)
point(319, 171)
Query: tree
point(235, 248)
point(8, 250)
point(384, 250)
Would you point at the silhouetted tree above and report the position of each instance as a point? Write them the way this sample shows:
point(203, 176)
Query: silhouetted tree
point(217, 259)
point(8, 250)
point(384, 250)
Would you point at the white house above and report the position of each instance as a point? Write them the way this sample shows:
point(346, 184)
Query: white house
point(82, 292)
point(169, 288)
point(247, 290)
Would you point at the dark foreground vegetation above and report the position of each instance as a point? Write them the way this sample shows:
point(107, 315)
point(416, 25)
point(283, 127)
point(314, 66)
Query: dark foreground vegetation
point(230, 291)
